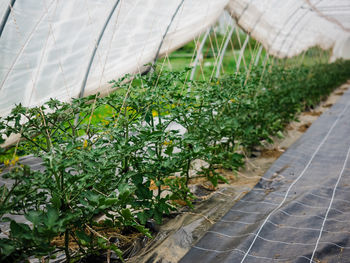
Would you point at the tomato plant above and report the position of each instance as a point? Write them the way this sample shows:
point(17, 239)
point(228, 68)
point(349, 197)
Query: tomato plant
point(134, 163)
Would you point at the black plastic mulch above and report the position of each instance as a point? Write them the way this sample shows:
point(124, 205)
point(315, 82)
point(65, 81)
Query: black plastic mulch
point(300, 209)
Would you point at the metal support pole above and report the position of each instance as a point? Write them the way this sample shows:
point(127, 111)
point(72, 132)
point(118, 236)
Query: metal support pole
point(223, 51)
point(241, 53)
point(6, 16)
point(165, 33)
point(258, 56)
point(199, 52)
point(83, 85)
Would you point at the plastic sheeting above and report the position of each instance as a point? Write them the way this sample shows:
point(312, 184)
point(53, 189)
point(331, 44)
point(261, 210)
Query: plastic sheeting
point(47, 45)
point(299, 211)
point(286, 28)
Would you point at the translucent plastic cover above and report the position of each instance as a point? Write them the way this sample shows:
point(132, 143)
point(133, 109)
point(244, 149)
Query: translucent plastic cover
point(60, 49)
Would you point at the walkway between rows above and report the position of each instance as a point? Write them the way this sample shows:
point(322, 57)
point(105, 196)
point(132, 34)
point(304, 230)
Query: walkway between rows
point(299, 211)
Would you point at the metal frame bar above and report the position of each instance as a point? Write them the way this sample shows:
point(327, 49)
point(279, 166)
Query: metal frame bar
point(258, 55)
point(166, 32)
point(6, 16)
point(224, 51)
point(199, 52)
point(241, 53)
point(83, 85)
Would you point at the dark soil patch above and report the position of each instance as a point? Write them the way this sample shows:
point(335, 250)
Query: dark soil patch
point(289, 127)
point(129, 243)
point(202, 190)
point(304, 127)
point(328, 105)
point(312, 113)
point(271, 153)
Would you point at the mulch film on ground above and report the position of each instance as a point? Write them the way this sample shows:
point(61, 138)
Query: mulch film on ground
point(300, 209)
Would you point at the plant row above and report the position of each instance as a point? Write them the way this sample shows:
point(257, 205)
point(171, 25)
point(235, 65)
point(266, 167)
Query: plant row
point(134, 163)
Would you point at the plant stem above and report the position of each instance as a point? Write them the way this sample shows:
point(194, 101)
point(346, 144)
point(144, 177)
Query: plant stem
point(188, 171)
point(126, 166)
point(66, 245)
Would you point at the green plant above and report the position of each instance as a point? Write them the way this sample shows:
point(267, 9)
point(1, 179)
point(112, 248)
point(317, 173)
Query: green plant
point(134, 163)
point(78, 183)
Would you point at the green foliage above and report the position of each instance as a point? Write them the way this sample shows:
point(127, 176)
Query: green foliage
point(132, 165)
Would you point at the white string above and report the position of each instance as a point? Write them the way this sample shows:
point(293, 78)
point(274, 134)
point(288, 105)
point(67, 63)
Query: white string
point(282, 226)
point(310, 215)
point(330, 204)
point(219, 251)
point(276, 241)
point(281, 210)
point(320, 207)
point(319, 186)
point(308, 228)
point(341, 190)
point(260, 202)
point(298, 178)
point(236, 221)
point(246, 212)
point(242, 252)
point(337, 199)
point(296, 202)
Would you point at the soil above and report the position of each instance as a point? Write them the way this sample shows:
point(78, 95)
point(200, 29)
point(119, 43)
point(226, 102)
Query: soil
point(312, 113)
point(272, 153)
point(304, 127)
point(328, 105)
point(127, 242)
point(178, 234)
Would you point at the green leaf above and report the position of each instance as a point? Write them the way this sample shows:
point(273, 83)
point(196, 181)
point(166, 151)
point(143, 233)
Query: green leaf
point(52, 217)
point(148, 117)
point(126, 213)
point(56, 200)
point(34, 217)
point(102, 243)
point(143, 217)
point(280, 135)
point(124, 189)
point(20, 231)
point(169, 150)
point(223, 179)
point(7, 247)
point(83, 237)
point(151, 152)
point(117, 251)
point(158, 216)
point(110, 201)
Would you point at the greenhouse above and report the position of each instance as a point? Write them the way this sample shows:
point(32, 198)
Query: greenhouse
point(174, 131)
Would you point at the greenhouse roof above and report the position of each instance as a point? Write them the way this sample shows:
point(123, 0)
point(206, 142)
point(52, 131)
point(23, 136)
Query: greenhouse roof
point(66, 49)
